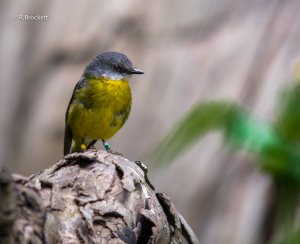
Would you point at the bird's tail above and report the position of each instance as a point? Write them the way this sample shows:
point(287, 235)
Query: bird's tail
point(68, 140)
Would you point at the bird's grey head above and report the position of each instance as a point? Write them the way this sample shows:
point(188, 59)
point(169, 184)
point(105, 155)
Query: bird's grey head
point(112, 65)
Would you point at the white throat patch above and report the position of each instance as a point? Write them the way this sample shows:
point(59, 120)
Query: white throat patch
point(114, 76)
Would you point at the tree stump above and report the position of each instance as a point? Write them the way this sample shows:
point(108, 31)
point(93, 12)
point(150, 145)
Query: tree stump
point(90, 197)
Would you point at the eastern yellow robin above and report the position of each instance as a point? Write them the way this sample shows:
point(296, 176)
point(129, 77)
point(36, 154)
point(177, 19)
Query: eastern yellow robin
point(100, 103)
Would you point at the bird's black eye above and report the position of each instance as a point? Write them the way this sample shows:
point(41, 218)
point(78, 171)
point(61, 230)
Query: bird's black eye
point(120, 69)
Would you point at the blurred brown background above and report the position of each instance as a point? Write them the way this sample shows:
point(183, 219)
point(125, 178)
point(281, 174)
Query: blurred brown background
point(190, 50)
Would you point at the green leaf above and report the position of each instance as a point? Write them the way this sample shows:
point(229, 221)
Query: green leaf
point(287, 122)
point(240, 129)
point(203, 118)
point(245, 131)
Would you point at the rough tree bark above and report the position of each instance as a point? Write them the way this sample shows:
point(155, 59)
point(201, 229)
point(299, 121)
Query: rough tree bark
point(90, 197)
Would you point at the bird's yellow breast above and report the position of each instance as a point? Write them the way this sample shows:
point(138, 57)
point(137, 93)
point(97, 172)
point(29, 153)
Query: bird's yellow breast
point(99, 109)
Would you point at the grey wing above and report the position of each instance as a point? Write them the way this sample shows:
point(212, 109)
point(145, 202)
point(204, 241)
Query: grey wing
point(68, 131)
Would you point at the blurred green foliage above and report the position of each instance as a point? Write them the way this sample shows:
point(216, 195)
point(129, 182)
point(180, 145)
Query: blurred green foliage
point(288, 121)
point(275, 144)
point(202, 118)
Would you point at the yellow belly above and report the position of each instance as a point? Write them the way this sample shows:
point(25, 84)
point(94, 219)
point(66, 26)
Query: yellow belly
point(99, 109)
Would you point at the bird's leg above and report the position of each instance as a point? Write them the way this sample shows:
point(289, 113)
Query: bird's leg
point(91, 144)
point(106, 145)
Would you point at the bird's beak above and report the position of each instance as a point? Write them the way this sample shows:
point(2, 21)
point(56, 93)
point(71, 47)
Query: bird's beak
point(137, 71)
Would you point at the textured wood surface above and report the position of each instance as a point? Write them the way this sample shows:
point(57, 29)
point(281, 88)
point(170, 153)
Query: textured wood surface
point(90, 197)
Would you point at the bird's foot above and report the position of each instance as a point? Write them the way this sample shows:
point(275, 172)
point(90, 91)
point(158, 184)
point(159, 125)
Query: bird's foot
point(83, 147)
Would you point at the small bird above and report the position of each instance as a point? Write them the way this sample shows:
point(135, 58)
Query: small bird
point(100, 103)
